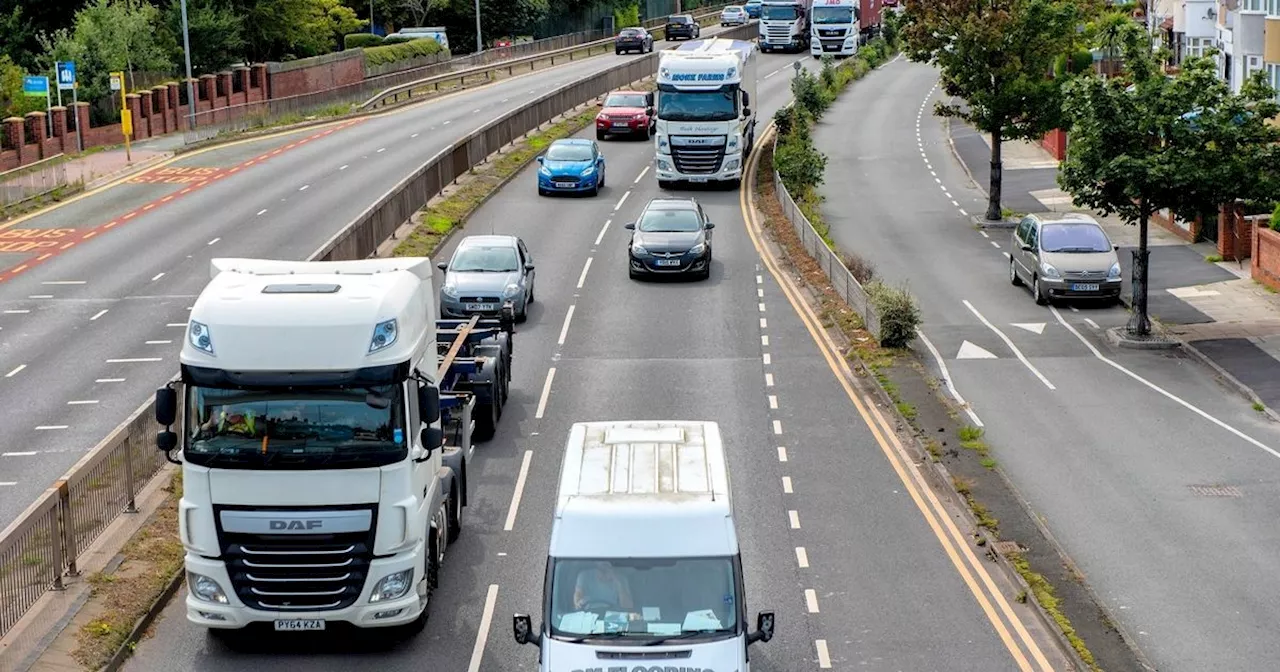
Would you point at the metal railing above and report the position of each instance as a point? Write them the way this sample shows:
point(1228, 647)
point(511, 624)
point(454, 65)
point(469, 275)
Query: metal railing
point(460, 71)
point(41, 547)
point(32, 180)
point(842, 281)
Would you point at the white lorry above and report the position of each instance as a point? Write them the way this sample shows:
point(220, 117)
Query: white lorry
point(705, 127)
point(835, 28)
point(317, 483)
point(784, 25)
point(643, 570)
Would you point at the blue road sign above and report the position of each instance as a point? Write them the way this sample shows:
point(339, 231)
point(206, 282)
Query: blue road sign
point(35, 86)
point(66, 74)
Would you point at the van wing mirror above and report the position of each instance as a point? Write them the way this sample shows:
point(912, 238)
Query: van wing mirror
point(764, 628)
point(522, 629)
point(166, 406)
point(428, 403)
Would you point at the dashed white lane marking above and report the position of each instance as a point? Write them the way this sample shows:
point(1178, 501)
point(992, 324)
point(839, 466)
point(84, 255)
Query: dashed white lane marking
point(983, 234)
point(641, 176)
point(486, 621)
point(82, 402)
point(1091, 323)
point(794, 517)
point(802, 557)
point(995, 244)
point(63, 282)
point(764, 340)
point(380, 150)
point(766, 358)
point(1074, 309)
point(782, 453)
point(109, 380)
point(16, 312)
point(546, 391)
point(777, 426)
point(583, 277)
point(519, 491)
point(764, 324)
point(264, 210)
point(475, 111)
point(761, 306)
point(158, 342)
point(759, 279)
point(505, 99)
point(621, 201)
point(4, 483)
point(564, 330)
point(132, 360)
point(415, 135)
point(304, 187)
point(773, 402)
point(344, 167)
point(824, 658)
point(786, 485)
point(600, 236)
point(43, 428)
point(760, 293)
point(21, 453)
point(1018, 353)
point(446, 123)
point(946, 378)
point(176, 324)
point(811, 600)
point(98, 314)
point(963, 213)
point(768, 380)
point(157, 276)
point(16, 371)
point(213, 241)
point(40, 296)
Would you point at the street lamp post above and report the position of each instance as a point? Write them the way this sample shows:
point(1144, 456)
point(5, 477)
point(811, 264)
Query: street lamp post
point(479, 43)
point(191, 87)
point(371, 31)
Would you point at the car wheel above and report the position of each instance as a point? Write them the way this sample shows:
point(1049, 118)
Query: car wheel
point(644, 134)
point(1041, 299)
point(600, 135)
point(542, 192)
point(602, 176)
point(1013, 275)
point(617, 52)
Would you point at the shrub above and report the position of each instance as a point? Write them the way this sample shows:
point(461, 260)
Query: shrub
point(361, 40)
point(627, 16)
point(424, 46)
point(899, 315)
point(1275, 218)
point(828, 74)
point(863, 270)
point(401, 39)
point(799, 163)
point(809, 95)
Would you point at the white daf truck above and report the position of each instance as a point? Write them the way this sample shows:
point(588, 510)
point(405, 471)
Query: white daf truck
point(315, 398)
point(643, 570)
point(705, 127)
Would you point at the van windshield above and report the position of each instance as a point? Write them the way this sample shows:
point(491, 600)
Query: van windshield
point(644, 598)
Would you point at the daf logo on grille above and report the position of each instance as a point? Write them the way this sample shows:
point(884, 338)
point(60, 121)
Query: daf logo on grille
point(296, 524)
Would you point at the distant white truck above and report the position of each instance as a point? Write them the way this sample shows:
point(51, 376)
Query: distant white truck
point(835, 28)
point(705, 127)
point(317, 397)
point(644, 564)
point(785, 25)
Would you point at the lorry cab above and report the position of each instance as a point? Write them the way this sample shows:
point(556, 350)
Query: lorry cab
point(835, 28)
point(644, 559)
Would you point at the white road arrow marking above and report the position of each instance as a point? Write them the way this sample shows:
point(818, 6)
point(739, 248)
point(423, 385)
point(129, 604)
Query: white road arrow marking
point(1033, 327)
point(971, 351)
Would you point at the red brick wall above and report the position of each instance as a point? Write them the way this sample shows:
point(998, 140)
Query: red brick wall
point(1055, 142)
point(1167, 223)
point(1266, 257)
point(327, 72)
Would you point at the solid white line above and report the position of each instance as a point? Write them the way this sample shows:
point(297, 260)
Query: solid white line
point(811, 600)
point(768, 379)
point(1009, 343)
point(564, 330)
point(264, 210)
point(946, 378)
point(132, 360)
point(16, 312)
point(158, 342)
point(786, 485)
point(583, 278)
point(600, 236)
point(767, 359)
point(772, 74)
point(109, 380)
point(25, 453)
point(63, 282)
point(794, 517)
point(44, 427)
point(157, 276)
point(782, 453)
point(1185, 404)
point(773, 402)
point(546, 390)
point(1091, 323)
point(824, 658)
point(15, 371)
point(777, 426)
point(642, 174)
point(213, 241)
point(802, 557)
point(621, 201)
point(486, 620)
point(82, 402)
point(519, 492)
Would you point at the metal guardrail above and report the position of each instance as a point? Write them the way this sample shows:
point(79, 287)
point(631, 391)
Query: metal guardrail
point(32, 180)
point(842, 281)
point(259, 114)
point(42, 546)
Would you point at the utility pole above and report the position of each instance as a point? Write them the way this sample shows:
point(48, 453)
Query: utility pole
point(479, 43)
point(371, 18)
point(191, 87)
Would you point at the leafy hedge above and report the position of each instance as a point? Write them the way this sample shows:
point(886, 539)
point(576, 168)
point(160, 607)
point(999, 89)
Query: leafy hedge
point(360, 40)
point(401, 51)
point(1275, 218)
point(626, 16)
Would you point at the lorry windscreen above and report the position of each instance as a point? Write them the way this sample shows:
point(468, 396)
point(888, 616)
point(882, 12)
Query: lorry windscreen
point(640, 599)
point(779, 13)
point(713, 105)
point(299, 428)
point(833, 15)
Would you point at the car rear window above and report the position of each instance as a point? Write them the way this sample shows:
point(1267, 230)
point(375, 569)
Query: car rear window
point(679, 19)
point(629, 32)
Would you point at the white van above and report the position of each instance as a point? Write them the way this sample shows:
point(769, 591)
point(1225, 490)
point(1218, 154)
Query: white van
point(644, 567)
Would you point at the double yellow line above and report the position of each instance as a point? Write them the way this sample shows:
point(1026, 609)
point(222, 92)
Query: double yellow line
point(954, 543)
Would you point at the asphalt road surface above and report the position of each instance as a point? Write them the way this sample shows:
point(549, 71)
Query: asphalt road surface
point(831, 538)
point(95, 321)
point(1160, 484)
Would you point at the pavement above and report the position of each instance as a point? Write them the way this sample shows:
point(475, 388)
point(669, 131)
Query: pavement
point(831, 537)
point(94, 293)
point(1154, 477)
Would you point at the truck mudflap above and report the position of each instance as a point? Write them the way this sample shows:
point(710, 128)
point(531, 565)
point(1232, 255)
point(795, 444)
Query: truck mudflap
point(455, 459)
point(452, 487)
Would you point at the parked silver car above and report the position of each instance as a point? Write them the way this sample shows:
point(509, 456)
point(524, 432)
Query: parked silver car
point(484, 273)
point(1066, 257)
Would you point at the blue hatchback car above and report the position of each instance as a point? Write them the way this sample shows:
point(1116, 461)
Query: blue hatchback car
point(571, 165)
point(753, 8)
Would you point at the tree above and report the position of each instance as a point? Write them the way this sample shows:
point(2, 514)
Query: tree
point(14, 103)
point(996, 55)
point(215, 33)
point(1143, 141)
point(21, 21)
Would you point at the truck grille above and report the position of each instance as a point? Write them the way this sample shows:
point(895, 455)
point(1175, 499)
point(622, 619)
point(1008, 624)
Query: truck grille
point(831, 32)
point(297, 572)
point(782, 32)
point(697, 160)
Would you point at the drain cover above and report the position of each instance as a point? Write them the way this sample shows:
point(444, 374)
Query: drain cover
point(1216, 491)
point(1007, 547)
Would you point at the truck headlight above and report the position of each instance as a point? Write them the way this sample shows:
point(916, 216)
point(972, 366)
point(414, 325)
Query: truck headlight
point(205, 588)
point(663, 146)
point(384, 334)
point(731, 165)
point(198, 334)
point(663, 165)
point(733, 142)
point(392, 586)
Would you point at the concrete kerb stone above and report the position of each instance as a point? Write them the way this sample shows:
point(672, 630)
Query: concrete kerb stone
point(1157, 340)
point(153, 612)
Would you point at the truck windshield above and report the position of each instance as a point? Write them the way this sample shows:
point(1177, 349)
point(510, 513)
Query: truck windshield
point(833, 15)
point(331, 428)
point(644, 598)
point(714, 105)
point(779, 13)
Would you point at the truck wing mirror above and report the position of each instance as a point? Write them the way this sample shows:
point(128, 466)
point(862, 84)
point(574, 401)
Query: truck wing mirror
point(428, 403)
point(746, 98)
point(764, 628)
point(522, 629)
point(432, 438)
point(746, 112)
point(166, 406)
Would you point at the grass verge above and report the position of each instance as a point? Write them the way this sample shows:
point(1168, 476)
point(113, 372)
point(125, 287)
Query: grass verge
point(120, 598)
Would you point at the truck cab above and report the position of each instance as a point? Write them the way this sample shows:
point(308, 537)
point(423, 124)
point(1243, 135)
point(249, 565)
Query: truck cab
point(644, 561)
point(835, 28)
point(784, 25)
point(316, 484)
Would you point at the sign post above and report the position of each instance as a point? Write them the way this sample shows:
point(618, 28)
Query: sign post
point(126, 117)
point(66, 72)
point(38, 87)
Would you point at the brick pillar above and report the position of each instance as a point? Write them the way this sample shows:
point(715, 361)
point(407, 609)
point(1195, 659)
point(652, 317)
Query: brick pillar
point(82, 121)
point(1234, 243)
point(242, 75)
point(59, 122)
point(16, 135)
point(36, 126)
point(148, 111)
point(260, 74)
point(135, 109)
point(224, 84)
point(163, 121)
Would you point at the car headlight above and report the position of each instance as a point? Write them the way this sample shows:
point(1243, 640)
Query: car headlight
point(1048, 271)
point(638, 249)
point(588, 171)
point(205, 588)
point(698, 249)
point(392, 586)
point(511, 291)
point(641, 117)
point(544, 171)
point(1114, 273)
point(450, 291)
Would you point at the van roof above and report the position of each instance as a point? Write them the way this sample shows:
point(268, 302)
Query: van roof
point(656, 488)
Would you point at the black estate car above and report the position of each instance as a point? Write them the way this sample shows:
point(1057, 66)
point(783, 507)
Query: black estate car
point(633, 39)
point(682, 25)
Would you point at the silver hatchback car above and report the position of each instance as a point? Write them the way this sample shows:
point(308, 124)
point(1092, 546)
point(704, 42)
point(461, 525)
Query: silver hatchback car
point(1067, 257)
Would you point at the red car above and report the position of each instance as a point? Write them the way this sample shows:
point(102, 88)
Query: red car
point(626, 113)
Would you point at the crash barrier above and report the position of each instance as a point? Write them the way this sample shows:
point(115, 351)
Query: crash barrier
point(32, 180)
point(842, 281)
point(42, 546)
point(460, 71)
